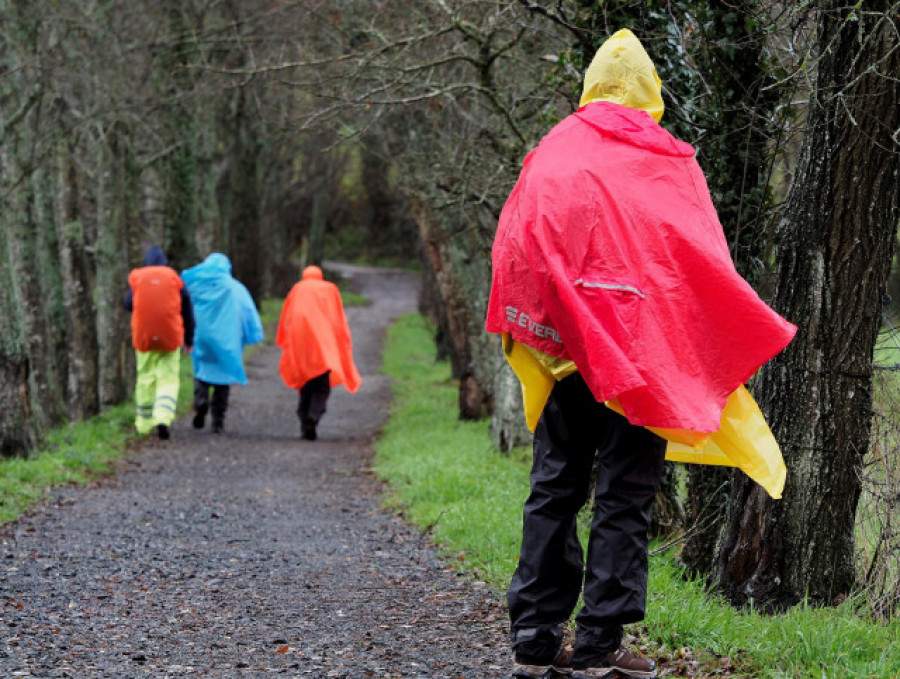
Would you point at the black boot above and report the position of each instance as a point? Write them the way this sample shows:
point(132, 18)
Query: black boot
point(200, 417)
point(218, 406)
point(308, 430)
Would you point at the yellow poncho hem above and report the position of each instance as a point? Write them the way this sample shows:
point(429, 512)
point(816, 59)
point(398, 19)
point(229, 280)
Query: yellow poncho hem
point(743, 439)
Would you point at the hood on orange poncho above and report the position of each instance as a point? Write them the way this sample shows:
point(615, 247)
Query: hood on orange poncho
point(314, 335)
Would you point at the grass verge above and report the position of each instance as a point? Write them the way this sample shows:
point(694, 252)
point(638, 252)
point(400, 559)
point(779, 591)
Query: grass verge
point(444, 476)
point(72, 454)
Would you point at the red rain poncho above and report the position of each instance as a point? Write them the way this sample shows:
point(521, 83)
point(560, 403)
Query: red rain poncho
point(609, 253)
point(314, 336)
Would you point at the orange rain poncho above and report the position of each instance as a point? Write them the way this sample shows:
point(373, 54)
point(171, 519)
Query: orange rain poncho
point(609, 259)
point(156, 322)
point(314, 336)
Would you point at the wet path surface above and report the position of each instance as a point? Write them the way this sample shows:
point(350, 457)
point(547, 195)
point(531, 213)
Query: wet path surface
point(247, 554)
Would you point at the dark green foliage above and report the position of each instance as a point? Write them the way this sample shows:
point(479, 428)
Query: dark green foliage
point(738, 125)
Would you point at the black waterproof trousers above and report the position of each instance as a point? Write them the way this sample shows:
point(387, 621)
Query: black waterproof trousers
point(217, 405)
point(313, 398)
point(573, 430)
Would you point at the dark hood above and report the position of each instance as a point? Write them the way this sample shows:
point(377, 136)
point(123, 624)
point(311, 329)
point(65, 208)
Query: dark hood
point(155, 256)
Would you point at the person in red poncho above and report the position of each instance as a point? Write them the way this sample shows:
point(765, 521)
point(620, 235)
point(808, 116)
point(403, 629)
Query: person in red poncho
point(317, 350)
point(613, 286)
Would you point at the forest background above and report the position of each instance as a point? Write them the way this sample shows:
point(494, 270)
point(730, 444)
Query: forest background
point(284, 133)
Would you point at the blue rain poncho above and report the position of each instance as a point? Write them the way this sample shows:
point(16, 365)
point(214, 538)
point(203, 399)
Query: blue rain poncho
point(226, 318)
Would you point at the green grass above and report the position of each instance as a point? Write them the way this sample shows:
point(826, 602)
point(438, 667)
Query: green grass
point(72, 454)
point(352, 299)
point(444, 476)
point(76, 453)
point(269, 313)
point(442, 470)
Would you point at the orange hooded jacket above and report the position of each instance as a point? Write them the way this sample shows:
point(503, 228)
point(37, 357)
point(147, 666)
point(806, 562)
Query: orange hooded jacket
point(314, 335)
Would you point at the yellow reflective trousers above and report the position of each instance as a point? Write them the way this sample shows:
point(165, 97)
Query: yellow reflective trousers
point(156, 389)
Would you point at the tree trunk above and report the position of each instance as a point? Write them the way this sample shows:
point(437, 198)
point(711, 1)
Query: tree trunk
point(20, 225)
point(117, 191)
point(318, 223)
point(243, 200)
point(82, 397)
point(737, 114)
point(17, 435)
point(836, 247)
point(713, 99)
point(179, 182)
point(463, 283)
point(20, 425)
point(52, 311)
point(431, 305)
point(179, 168)
point(508, 428)
point(706, 507)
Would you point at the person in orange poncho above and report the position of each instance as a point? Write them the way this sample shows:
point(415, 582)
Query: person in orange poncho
point(613, 286)
point(317, 350)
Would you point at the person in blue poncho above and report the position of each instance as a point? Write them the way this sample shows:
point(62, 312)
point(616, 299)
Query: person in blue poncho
point(227, 321)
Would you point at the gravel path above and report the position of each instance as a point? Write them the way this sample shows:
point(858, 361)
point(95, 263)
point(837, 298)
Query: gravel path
point(247, 554)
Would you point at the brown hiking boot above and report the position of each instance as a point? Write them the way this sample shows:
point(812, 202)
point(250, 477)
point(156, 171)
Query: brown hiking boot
point(622, 663)
point(558, 668)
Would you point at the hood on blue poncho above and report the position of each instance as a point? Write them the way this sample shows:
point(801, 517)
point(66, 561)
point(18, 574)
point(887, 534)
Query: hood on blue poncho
point(216, 263)
point(155, 256)
point(227, 321)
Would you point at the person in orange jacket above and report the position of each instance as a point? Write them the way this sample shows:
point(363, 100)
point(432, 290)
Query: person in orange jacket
point(317, 349)
point(162, 322)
